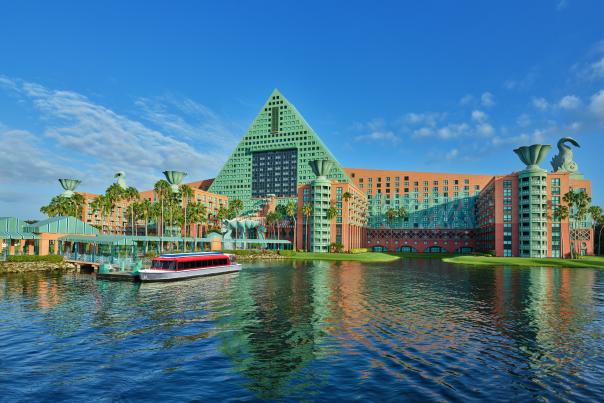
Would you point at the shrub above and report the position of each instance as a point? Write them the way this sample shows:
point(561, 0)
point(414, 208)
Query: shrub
point(359, 250)
point(336, 247)
point(35, 258)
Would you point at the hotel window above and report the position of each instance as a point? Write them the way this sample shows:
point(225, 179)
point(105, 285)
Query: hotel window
point(507, 184)
point(555, 181)
point(387, 179)
point(466, 181)
point(507, 218)
point(425, 183)
point(555, 200)
point(507, 192)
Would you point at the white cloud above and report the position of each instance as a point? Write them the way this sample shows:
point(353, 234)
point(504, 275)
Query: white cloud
point(453, 130)
point(561, 5)
point(575, 126)
point(379, 136)
point(485, 129)
point(454, 153)
point(100, 141)
point(428, 118)
point(596, 105)
point(540, 103)
point(423, 132)
point(523, 120)
point(27, 160)
point(487, 100)
point(569, 102)
point(479, 116)
point(466, 100)
point(597, 68)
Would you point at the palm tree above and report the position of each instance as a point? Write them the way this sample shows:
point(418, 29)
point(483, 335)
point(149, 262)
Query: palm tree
point(332, 213)
point(146, 212)
point(596, 218)
point(578, 207)
point(130, 195)
point(104, 206)
point(270, 220)
point(561, 214)
point(391, 215)
point(292, 210)
point(307, 211)
point(402, 213)
point(114, 194)
point(186, 193)
point(64, 206)
point(198, 214)
point(161, 189)
point(235, 207)
point(346, 196)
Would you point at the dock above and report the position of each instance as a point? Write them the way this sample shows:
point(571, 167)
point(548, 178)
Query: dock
point(118, 276)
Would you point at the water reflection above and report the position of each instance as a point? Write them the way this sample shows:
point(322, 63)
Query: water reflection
point(310, 330)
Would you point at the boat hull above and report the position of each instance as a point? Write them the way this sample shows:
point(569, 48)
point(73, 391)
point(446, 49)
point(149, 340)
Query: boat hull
point(173, 275)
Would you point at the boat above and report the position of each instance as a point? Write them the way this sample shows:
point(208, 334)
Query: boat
point(179, 266)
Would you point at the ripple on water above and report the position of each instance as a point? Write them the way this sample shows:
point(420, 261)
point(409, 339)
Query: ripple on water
point(415, 330)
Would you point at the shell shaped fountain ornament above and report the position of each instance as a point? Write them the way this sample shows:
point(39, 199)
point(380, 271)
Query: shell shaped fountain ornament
point(121, 179)
point(563, 162)
point(174, 178)
point(69, 185)
point(321, 168)
point(533, 155)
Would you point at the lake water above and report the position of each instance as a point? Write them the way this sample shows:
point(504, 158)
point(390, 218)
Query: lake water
point(414, 329)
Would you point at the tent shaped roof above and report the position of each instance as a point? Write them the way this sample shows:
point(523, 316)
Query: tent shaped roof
point(12, 228)
point(61, 225)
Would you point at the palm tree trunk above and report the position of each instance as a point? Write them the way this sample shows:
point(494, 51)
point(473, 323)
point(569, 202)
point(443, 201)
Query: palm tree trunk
point(600, 240)
point(161, 234)
point(307, 235)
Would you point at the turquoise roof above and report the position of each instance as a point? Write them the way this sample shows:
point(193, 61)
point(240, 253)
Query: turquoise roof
point(61, 225)
point(12, 228)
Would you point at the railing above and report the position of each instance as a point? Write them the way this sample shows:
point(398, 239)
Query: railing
point(123, 262)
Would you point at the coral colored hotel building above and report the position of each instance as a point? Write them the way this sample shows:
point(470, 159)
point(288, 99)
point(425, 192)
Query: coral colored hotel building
point(281, 159)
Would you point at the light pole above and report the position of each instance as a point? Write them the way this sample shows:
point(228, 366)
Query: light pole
point(174, 178)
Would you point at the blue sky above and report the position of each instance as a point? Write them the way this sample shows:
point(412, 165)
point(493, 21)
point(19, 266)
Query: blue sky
point(87, 89)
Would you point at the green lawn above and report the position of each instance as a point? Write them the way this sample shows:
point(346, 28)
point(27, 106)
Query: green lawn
point(422, 255)
point(585, 261)
point(368, 257)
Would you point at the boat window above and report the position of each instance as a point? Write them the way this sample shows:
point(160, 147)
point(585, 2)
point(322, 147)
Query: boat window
point(164, 264)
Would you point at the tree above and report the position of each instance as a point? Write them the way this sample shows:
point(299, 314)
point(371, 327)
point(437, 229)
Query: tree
point(198, 214)
point(186, 193)
point(307, 211)
point(402, 213)
point(131, 195)
point(292, 210)
point(578, 208)
point(271, 220)
point(146, 212)
point(596, 220)
point(64, 206)
point(161, 189)
point(103, 205)
point(281, 213)
point(561, 214)
point(332, 213)
point(114, 194)
point(391, 215)
point(346, 196)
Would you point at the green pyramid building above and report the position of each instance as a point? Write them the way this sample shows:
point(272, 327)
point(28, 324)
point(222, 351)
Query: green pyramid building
point(273, 157)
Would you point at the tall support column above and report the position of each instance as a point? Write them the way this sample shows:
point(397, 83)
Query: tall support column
point(532, 203)
point(320, 225)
